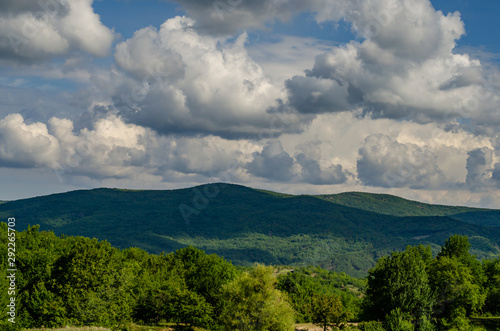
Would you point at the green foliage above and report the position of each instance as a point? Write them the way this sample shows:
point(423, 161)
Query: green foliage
point(88, 281)
point(397, 320)
point(457, 277)
point(156, 288)
point(81, 281)
point(184, 286)
point(302, 283)
point(204, 274)
point(455, 284)
point(392, 205)
point(35, 254)
point(457, 247)
point(253, 303)
point(425, 324)
point(432, 293)
point(492, 285)
point(327, 311)
point(457, 320)
point(371, 326)
point(191, 308)
point(400, 281)
point(486, 323)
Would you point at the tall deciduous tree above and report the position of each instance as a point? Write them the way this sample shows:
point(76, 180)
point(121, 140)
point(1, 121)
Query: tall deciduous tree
point(327, 311)
point(253, 303)
point(492, 284)
point(454, 283)
point(457, 278)
point(457, 247)
point(86, 279)
point(204, 274)
point(36, 253)
point(400, 281)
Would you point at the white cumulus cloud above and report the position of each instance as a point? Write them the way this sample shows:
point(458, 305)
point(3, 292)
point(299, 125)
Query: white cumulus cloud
point(32, 31)
point(185, 82)
point(387, 163)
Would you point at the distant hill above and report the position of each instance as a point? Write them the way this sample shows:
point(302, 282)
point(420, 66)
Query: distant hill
point(392, 205)
point(346, 232)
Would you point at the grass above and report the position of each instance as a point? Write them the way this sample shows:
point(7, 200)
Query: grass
point(313, 327)
point(132, 327)
point(71, 328)
point(489, 323)
point(166, 327)
point(307, 326)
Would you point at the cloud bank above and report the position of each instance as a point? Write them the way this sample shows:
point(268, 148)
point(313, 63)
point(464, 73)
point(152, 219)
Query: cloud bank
point(397, 109)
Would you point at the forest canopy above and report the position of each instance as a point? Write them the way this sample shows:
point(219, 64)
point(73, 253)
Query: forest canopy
point(78, 281)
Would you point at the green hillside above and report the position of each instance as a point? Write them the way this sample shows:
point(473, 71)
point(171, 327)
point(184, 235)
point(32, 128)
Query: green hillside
point(346, 232)
point(392, 205)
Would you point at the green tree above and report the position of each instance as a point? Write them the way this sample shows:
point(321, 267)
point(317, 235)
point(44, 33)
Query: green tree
point(192, 308)
point(42, 307)
point(301, 284)
point(300, 288)
point(458, 247)
point(400, 281)
point(457, 277)
point(36, 253)
point(155, 286)
point(162, 294)
point(454, 283)
point(492, 285)
point(397, 320)
point(253, 303)
point(88, 280)
point(204, 274)
point(328, 311)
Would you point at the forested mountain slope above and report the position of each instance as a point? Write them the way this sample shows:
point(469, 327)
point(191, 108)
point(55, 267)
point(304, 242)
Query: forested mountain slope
point(346, 232)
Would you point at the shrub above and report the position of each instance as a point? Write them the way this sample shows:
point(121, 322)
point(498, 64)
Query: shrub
point(371, 326)
point(398, 321)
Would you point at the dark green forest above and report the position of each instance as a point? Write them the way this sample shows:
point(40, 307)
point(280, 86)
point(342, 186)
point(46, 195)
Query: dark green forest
point(74, 280)
point(345, 232)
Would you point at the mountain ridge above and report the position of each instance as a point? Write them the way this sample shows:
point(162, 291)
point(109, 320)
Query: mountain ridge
point(248, 225)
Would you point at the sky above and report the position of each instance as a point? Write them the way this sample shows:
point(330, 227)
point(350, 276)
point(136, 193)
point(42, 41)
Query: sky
point(298, 96)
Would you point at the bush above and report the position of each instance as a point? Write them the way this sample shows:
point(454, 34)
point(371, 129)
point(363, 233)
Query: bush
point(371, 326)
point(398, 321)
point(425, 324)
point(253, 303)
